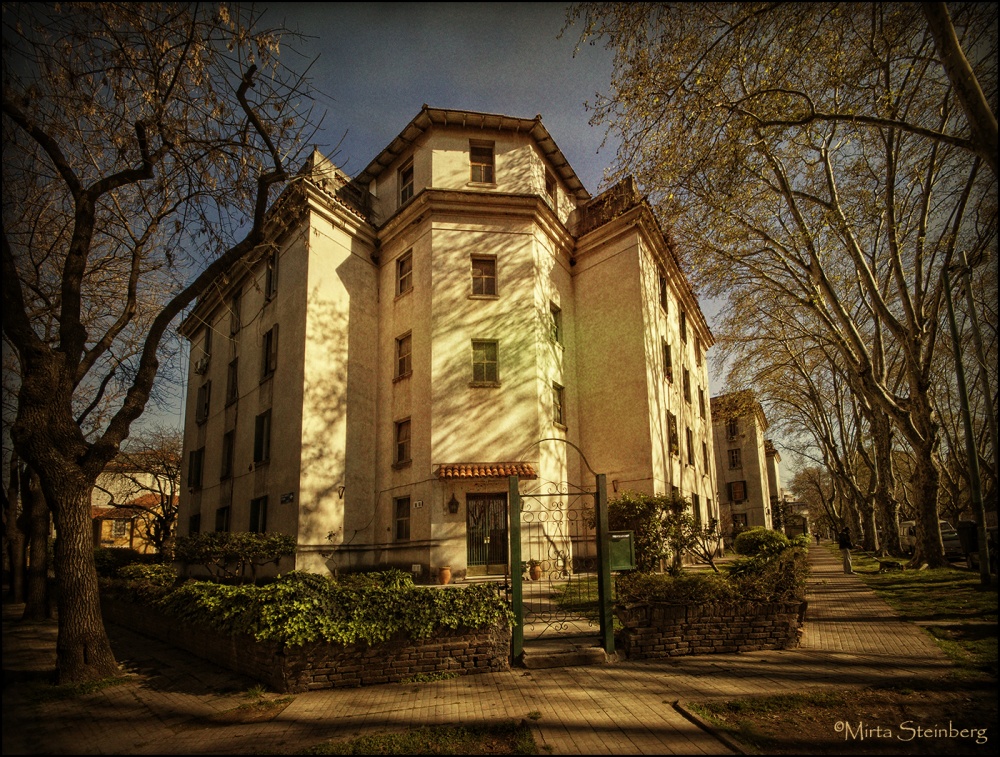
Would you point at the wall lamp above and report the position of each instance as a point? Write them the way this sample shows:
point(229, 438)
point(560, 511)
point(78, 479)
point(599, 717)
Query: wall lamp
point(453, 504)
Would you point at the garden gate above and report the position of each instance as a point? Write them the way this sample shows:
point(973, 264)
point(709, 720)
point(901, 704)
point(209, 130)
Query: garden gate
point(559, 540)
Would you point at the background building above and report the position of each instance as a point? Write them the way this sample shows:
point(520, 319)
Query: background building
point(459, 312)
point(743, 464)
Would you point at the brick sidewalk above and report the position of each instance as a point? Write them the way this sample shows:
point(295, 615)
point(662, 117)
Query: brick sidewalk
point(851, 638)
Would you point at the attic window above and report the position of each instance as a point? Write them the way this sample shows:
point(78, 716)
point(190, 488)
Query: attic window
point(481, 162)
point(406, 182)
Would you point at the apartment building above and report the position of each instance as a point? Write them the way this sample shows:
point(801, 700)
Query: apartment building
point(747, 473)
point(460, 311)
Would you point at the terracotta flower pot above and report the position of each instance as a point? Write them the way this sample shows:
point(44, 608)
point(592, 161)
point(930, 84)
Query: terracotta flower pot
point(444, 575)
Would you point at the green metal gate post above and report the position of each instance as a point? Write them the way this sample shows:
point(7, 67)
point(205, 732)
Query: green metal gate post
point(604, 565)
point(516, 590)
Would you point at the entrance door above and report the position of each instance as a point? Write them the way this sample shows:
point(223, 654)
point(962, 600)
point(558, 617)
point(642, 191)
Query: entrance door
point(486, 532)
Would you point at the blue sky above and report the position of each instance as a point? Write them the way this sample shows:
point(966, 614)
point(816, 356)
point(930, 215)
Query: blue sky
point(379, 63)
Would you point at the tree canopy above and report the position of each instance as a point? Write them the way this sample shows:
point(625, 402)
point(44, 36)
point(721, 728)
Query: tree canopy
point(142, 143)
point(818, 165)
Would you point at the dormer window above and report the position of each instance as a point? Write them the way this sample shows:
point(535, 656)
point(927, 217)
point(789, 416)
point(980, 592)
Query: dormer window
point(406, 182)
point(481, 162)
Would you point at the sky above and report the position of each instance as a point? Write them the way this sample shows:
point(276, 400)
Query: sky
point(377, 64)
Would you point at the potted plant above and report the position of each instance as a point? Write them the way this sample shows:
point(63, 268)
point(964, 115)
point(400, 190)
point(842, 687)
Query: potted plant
point(534, 569)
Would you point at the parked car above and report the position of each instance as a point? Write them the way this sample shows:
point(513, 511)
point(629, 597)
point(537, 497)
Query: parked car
point(952, 544)
point(908, 538)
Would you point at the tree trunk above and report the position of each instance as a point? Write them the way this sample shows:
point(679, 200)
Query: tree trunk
point(929, 547)
point(37, 605)
point(886, 506)
point(14, 531)
point(83, 652)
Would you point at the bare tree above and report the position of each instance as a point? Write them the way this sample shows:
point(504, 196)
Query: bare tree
point(145, 478)
point(141, 143)
point(818, 150)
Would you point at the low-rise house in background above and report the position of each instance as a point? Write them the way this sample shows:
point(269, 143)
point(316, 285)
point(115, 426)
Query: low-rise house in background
point(134, 503)
point(461, 311)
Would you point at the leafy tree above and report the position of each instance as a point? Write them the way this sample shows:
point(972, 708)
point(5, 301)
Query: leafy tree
point(818, 155)
point(141, 144)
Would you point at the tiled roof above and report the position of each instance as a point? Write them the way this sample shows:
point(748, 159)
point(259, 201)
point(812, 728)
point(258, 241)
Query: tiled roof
point(112, 513)
point(486, 470)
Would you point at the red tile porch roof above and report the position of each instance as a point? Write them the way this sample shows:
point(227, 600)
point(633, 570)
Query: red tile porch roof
point(486, 470)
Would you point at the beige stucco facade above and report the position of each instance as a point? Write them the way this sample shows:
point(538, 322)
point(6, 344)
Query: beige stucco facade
point(744, 476)
point(439, 329)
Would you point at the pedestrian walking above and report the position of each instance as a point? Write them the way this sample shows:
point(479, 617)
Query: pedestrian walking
point(846, 545)
point(817, 537)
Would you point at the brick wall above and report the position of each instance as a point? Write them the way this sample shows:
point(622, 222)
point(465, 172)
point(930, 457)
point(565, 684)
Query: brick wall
point(662, 630)
point(323, 666)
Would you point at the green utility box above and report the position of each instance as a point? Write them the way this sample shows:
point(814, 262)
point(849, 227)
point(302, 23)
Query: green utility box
point(622, 550)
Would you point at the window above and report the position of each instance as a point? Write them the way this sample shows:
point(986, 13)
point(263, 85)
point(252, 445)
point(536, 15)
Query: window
point(484, 275)
point(269, 354)
point(733, 428)
point(663, 292)
point(403, 356)
point(551, 190)
point(228, 452)
point(556, 322)
point(234, 312)
point(196, 462)
point(404, 273)
point(704, 456)
point(558, 409)
point(735, 458)
point(262, 437)
point(222, 519)
point(485, 367)
point(737, 491)
point(402, 518)
point(271, 276)
point(697, 351)
point(739, 521)
point(208, 341)
point(194, 524)
point(406, 182)
point(258, 515)
point(202, 406)
point(119, 528)
point(684, 327)
point(233, 381)
point(481, 160)
point(696, 509)
point(701, 401)
point(673, 434)
point(668, 362)
point(689, 438)
point(687, 385)
point(402, 442)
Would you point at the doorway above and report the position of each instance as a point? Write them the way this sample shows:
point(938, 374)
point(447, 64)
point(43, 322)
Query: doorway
point(486, 534)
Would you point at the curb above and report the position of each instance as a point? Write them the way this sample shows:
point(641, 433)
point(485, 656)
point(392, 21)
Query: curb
point(708, 728)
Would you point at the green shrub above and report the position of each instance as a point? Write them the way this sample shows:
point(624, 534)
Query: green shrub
point(109, 560)
point(759, 541)
point(228, 554)
point(157, 574)
point(661, 525)
point(300, 608)
point(780, 578)
point(683, 588)
point(392, 578)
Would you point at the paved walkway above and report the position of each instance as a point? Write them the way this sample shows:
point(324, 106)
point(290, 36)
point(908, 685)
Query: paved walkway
point(851, 638)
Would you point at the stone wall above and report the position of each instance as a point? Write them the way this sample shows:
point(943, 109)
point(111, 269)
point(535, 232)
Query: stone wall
point(664, 630)
point(318, 665)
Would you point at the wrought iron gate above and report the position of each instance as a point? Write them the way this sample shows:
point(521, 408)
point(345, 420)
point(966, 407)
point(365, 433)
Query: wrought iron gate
point(560, 567)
